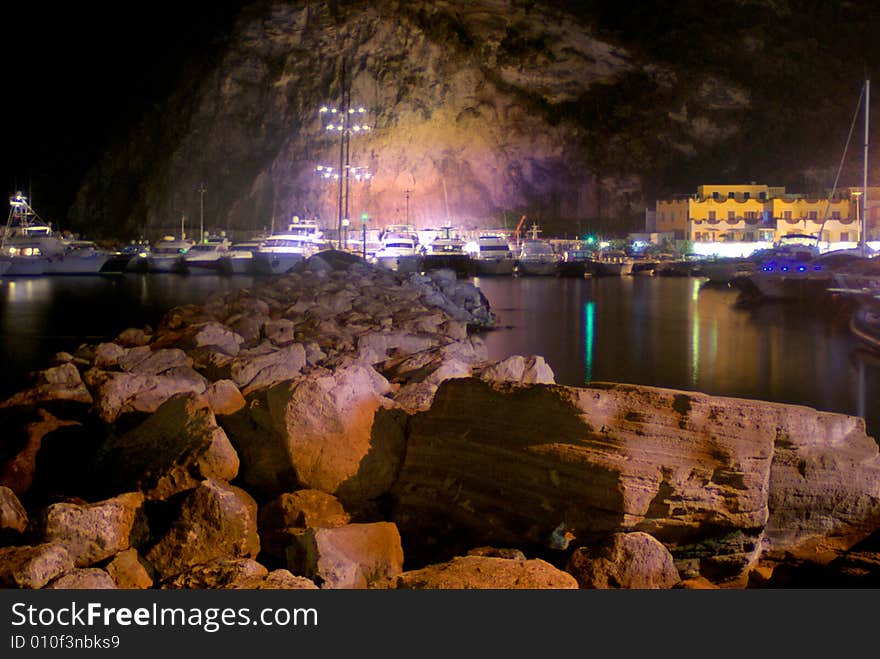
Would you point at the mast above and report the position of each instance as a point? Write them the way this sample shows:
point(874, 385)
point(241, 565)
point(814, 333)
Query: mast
point(864, 199)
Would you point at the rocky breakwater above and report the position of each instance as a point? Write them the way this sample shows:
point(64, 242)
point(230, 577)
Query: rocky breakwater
point(341, 427)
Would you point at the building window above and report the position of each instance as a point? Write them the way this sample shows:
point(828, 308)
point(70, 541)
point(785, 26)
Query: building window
point(711, 215)
point(814, 215)
point(750, 237)
point(731, 215)
point(715, 195)
point(835, 215)
point(661, 216)
point(746, 195)
point(844, 236)
point(731, 195)
point(786, 215)
point(751, 215)
point(762, 196)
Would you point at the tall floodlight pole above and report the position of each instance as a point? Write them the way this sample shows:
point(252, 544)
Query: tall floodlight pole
point(344, 120)
point(406, 194)
point(864, 223)
point(202, 190)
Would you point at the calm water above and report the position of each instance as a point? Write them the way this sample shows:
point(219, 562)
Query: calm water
point(663, 331)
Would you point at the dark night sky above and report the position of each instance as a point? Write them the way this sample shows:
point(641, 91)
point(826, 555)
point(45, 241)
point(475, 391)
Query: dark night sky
point(76, 73)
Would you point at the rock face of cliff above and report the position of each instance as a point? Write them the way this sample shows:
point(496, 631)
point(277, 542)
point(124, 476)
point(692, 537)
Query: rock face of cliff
point(475, 111)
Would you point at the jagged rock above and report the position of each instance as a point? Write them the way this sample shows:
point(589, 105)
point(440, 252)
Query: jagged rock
point(92, 578)
point(214, 521)
point(485, 572)
point(177, 447)
point(292, 512)
point(715, 479)
point(493, 552)
point(275, 580)
point(18, 470)
point(218, 573)
point(13, 517)
point(224, 397)
point(327, 431)
point(347, 557)
point(281, 332)
point(33, 567)
point(92, 532)
point(146, 361)
point(213, 335)
point(375, 347)
point(59, 383)
point(118, 393)
point(265, 369)
point(526, 370)
point(128, 571)
point(627, 560)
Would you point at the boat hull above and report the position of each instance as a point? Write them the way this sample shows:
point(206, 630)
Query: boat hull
point(175, 264)
point(536, 268)
point(275, 263)
point(494, 267)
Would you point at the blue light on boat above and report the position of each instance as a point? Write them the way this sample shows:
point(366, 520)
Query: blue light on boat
point(784, 268)
point(802, 268)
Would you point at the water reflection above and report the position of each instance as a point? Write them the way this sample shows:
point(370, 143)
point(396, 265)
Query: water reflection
point(679, 333)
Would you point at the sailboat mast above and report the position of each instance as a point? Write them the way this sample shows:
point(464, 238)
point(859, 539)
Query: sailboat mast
point(864, 199)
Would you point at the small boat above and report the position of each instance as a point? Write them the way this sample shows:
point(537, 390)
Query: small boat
point(723, 270)
point(612, 263)
point(491, 254)
point(577, 261)
point(204, 257)
point(791, 269)
point(239, 258)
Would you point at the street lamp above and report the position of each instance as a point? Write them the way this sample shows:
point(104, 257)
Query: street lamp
point(202, 190)
point(358, 174)
point(344, 121)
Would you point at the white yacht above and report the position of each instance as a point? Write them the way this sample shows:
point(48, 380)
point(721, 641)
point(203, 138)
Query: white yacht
point(239, 258)
point(30, 247)
point(491, 254)
point(204, 257)
point(536, 257)
point(399, 250)
point(283, 250)
point(169, 255)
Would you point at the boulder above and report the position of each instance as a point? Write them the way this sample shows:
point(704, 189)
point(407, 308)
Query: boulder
point(348, 557)
point(128, 571)
point(526, 370)
point(329, 431)
point(133, 337)
point(83, 579)
point(716, 480)
point(627, 560)
point(293, 512)
point(485, 572)
point(118, 393)
point(257, 370)
point(174, 449)
point(107, 355)
point(215, 520)
point(224, 397)
point(146, 361)
point(33, 567)
point(59, 383)
point(217, 573)
point(275, 580)
point(92, 532)
point(212, 335)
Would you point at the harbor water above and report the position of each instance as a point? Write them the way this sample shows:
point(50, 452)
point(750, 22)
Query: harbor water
point(671, 332)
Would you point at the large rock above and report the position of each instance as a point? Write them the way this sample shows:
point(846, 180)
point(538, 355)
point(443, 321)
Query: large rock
point(627, 560)
point(117, 393)
point(33, 567)
point(177, 447)
point(275, 580)
point(59, 383)
point(92, 532)
point(13, 516)
point(217, 573)
point(92, 578)
point(263, 368)
point(347, 557)
point(716, 480)
point(215, 520)
point(526, 370)
point(328, 431)
point(128, 571)
point(484, 572)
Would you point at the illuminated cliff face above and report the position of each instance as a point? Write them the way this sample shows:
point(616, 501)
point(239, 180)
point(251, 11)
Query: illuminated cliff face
point(479, 111)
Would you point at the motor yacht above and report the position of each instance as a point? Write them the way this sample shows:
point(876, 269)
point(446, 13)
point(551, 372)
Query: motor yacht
point(491, 254)
point(204, 257)
point(168, 254)
point(281, 251)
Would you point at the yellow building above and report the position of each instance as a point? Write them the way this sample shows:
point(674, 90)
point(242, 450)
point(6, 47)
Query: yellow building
point(757, 213)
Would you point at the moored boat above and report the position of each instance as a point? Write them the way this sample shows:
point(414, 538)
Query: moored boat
point(491, 254)
point(168, 254)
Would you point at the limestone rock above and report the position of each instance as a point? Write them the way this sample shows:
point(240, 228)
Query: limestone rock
point(484, 572)
point(92, 532)
point(292, 512)
point(146, 361)
point(224, 397)
point(128, 571)
point(107, 355)
point(526, 370)
point(275, 580)
point(133, 337)
point(348, 557)
point(214, 521)
point(214, 335)
point(267, 368)
point(83, 579)
point(177, 447)
point(712, 478)
point(118, 393)
point(628, 560)
point(33, 567)
point(59, 383)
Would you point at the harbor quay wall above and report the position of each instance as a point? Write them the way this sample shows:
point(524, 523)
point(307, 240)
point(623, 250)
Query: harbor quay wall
point(342, 426)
